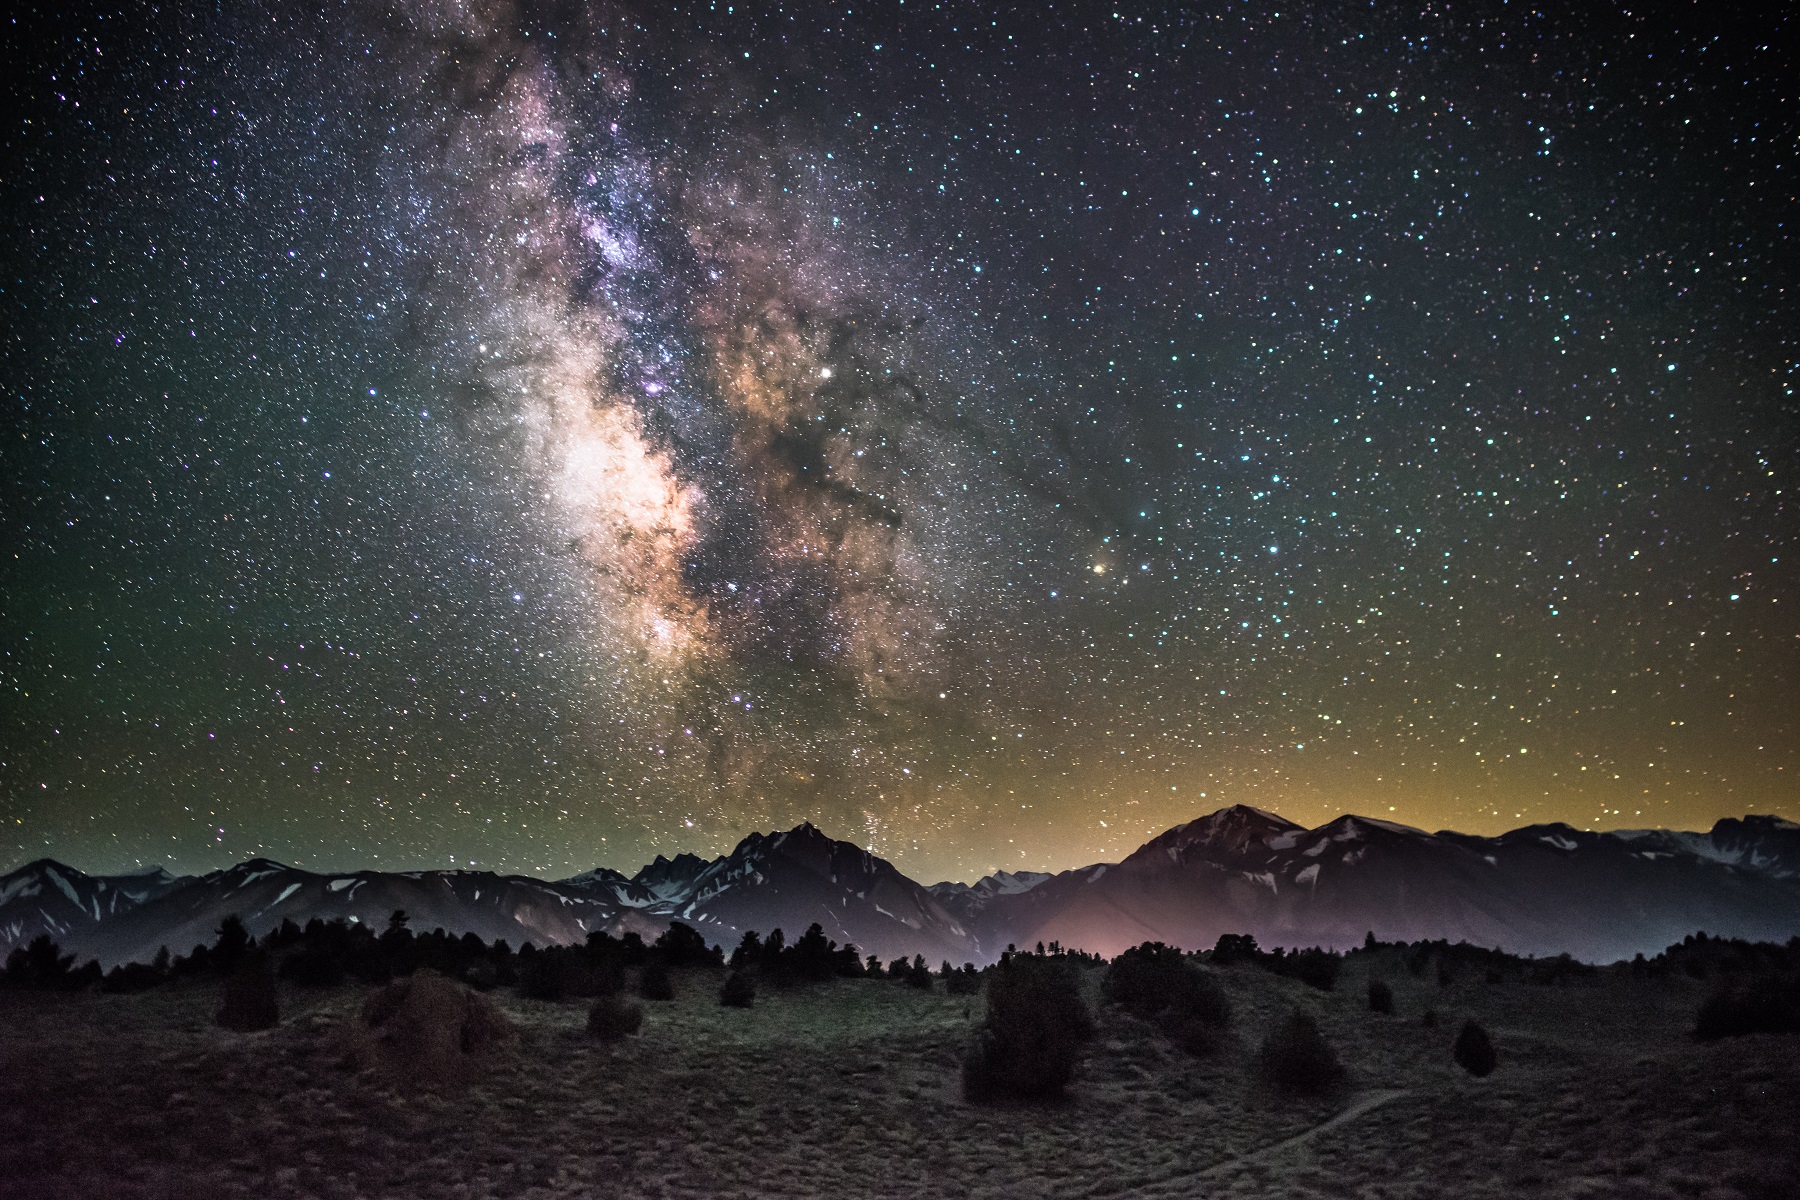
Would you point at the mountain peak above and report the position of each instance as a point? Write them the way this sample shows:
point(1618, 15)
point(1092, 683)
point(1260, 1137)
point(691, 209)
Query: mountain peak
point(1231, 830)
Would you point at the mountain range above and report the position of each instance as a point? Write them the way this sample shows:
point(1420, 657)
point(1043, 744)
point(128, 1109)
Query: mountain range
point(1544, 889)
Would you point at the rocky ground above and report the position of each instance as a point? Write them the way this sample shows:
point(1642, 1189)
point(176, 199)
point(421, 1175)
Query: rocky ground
point(851, 1089)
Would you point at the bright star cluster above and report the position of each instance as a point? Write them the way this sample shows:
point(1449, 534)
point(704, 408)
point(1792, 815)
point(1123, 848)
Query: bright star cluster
point(537, 437)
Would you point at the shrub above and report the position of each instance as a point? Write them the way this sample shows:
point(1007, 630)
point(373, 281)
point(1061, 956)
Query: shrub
point(247, 1000)
point(1381, 997)
point(1157, 983)
point(612, 1017)
point(683, 946)
point(1474, 1052)
point(131, 977)
point(1296, 1059)
point(425, 1031)
point(655, 983)
point(1760, 1004)
point(739, 990)
point(1235, 948)
point(1035, 1026)
point(966, 982)
point(1429, 1018)
point(1315, 968)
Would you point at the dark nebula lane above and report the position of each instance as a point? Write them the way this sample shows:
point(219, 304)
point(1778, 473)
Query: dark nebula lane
point(541, 436)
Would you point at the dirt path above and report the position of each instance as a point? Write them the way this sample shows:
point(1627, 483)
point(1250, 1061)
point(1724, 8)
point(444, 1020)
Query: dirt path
point(1365, 1103)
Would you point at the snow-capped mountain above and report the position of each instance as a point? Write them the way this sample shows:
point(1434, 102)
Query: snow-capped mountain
point(966, 900)
point(1764, 843)
point(47, 897)
point(779, 880)
point(790, 880)
point(264, 893)
point(1544, 889)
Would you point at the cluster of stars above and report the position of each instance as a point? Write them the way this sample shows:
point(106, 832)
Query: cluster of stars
point(554, 440)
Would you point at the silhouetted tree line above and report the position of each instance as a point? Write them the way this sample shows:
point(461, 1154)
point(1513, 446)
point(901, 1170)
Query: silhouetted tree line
point(1756, 984)
point(1701, 957)
point(1315, 967)
point(1449, 962)
point(41, 964)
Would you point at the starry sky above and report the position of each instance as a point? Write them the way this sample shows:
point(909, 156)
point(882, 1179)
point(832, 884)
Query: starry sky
point(532, 435)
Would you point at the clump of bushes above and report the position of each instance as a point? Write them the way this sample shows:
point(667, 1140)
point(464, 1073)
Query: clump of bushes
point(1157, 983)
point(1757, 1004)
point(655, 982)
point(963, 982)
point(1035, 1027)
point(1295, 1058)
point(1315, 968)
point(613, 1017)
point(247, 1001)
point(739, 990)
point(1474, 1051)
point(1381, 997)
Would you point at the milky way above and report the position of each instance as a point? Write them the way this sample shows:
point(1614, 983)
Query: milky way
point(545, 435)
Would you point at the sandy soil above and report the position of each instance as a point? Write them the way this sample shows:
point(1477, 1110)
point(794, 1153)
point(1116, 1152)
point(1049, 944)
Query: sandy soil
point(850, 1089)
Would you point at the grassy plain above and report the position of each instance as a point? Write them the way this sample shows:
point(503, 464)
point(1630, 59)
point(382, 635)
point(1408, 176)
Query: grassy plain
point(850, 1089)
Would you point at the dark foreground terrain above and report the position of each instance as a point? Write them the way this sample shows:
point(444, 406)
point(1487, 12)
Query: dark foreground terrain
point(850, 1088)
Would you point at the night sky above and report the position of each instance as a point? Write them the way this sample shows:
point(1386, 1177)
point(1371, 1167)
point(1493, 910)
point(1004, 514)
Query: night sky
point(539, 435)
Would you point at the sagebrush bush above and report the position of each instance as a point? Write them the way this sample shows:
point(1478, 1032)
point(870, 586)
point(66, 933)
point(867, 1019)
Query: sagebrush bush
point(1474, 1051)
point(247, 999)
point(1759, 1004)
point(1035, 1027)
point(425, 1031)
point(1296, 1059)
point(739, 990)
point(613, 1016)
point(655, 983)
point(1381, 997)
point(1315, 968)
